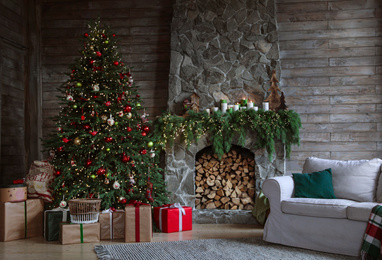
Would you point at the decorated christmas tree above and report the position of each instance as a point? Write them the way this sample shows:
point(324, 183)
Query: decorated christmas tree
point(103, 145)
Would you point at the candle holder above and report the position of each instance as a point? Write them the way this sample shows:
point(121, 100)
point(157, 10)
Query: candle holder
point(250, 105)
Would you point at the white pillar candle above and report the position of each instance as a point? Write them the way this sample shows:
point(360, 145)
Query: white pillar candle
point(250, 104)
point(256, 108)
point(236, 107)
point(223, 107)
point(265, 106)
point(216, 109)
point(208, 111)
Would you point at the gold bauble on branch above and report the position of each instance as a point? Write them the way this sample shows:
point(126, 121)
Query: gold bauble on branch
point(77, 141)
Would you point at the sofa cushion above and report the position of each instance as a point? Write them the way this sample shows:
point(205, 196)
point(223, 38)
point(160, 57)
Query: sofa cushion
point(360, 211)
point(314, 185)
point(353, 179)
point(324, 208)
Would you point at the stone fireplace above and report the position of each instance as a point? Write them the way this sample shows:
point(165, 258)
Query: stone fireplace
point(220, 49)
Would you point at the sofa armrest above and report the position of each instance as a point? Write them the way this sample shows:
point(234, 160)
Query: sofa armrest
point(277, 189)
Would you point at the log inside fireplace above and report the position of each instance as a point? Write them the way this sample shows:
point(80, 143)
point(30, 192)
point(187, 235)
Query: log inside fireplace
point(228, 183)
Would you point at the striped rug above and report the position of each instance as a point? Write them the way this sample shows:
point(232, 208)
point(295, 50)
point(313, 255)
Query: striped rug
point(242, 248)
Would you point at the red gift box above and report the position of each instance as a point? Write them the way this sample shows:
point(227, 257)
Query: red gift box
point(173, 218)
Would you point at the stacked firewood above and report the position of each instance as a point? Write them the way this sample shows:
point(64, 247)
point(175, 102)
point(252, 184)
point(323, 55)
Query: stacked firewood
point(228, 183)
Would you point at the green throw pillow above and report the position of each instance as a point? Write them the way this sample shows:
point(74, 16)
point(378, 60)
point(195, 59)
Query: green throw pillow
point(314, 185)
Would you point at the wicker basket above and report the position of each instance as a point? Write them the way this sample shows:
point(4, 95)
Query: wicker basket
point(84, 211)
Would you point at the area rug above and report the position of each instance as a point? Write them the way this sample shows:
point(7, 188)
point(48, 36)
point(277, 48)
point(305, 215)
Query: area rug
point(240, 248)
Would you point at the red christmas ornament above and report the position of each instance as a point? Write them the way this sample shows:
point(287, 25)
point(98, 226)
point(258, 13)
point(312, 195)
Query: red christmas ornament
point(82, 117)
point(113, 34)
point(103, 35)
point(58, 172)
point(99, 54)
point(108, 103)
point(101, 171)
point(127, 109)
point(143, 151)
point(93, 133)
point(65, 140)
point(108, 139)
point(116, 63)
point(91, 62)
point(86, 34)
point(146, 129)
point(143, 133)
point(88, 163)
point(86, 127)
point(73, 124)
point(60, 149)
point(138, 96)
point(125, 158)
point(129, 129)
point(123, 201)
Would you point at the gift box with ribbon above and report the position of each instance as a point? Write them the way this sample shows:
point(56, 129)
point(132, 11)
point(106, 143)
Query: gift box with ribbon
point(173, 218)
point(79, 233)
point(138, 222)
point(52, 220)
point(21, 219)
point(112, 224)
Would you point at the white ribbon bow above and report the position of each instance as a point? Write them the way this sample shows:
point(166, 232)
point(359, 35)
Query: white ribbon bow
point(173, 206)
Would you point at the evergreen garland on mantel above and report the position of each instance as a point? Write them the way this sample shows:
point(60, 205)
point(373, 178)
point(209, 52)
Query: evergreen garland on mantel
point(269, 126)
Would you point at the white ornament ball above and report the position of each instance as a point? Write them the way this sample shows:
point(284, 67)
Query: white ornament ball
point(152, 155)
point(69, 98)
point(110, 121)
point(96, 87)
point(63, 204)
point(120, 113)
point(121, 198)
point(116, 185)
point(131, 80)
point(129, 115)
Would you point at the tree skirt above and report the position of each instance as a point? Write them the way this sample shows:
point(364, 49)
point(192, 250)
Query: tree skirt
point(242, 248)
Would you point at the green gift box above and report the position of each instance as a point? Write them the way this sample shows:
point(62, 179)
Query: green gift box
point(52, 220)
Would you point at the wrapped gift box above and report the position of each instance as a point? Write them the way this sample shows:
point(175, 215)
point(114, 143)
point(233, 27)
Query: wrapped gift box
point(79, 233)
point(112, 225)
point(173, 218)
point(138, 223)
point(21, 219)
point(13, 192)
point(52, 220)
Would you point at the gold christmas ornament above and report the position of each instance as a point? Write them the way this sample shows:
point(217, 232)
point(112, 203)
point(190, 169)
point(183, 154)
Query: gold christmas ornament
point(129, 115)
point(104, 118)
point(77, 141)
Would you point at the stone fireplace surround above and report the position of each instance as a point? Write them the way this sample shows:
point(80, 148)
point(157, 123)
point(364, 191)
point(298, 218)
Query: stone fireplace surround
point(180, 178)
point(220, 49)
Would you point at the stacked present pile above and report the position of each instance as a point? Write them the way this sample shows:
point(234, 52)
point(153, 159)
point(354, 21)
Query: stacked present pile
point(23, 216)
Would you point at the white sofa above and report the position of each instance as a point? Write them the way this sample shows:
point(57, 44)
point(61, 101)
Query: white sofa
point(329, 225)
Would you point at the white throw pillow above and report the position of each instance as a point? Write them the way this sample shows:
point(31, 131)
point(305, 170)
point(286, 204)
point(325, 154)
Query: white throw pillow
point(354, 179)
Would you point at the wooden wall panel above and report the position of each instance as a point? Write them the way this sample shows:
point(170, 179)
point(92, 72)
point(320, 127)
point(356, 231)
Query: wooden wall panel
point(13, 158)
point(331, 73)
point(143, 31)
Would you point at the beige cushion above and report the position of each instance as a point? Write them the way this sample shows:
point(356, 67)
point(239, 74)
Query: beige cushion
point(360, 211)
point(354, 179)
point(323, 208)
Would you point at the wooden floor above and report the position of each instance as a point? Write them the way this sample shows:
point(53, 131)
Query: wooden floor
point(38, 249)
